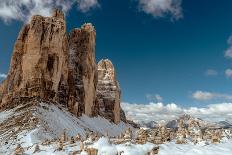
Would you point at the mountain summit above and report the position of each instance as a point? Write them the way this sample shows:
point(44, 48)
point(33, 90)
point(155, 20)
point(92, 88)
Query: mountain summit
point(50, 65)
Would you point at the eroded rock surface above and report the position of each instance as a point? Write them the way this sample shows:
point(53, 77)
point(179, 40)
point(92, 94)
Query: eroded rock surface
point(39, 61)
point(51, 65)
point(108, 92)
point(83, 70)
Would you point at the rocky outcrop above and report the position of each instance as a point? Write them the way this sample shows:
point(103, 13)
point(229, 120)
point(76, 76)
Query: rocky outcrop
point(108, 92)
point(39, 61)
point(50, 65)
point(82, 70)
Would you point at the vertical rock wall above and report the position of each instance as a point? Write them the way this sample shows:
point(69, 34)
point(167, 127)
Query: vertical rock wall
point(51, 65)
point(108, 91)
point(82, 69)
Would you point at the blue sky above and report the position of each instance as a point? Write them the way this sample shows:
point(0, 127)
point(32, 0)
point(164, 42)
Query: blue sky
point(170, 52)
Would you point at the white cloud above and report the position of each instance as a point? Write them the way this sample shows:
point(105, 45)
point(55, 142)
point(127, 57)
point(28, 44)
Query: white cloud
point(228, 73)
point(23, 9)
point(211, 72)
point(228, 52)
point(2, 76)
point(156, 97)
point(206, 96)
point(162, 8)
point(200, 95)
point(86, 5)
point(159, 111)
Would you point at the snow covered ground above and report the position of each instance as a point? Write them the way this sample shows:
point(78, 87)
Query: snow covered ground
point(52, 121)
point(105, 148)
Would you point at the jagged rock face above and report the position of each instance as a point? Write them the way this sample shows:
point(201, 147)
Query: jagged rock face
point(49, 64)
point(108, 92)
point(39, 60)
point(82, 70)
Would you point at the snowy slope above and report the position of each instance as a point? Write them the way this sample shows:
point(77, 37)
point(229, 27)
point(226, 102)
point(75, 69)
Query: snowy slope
point(31, 124)
point(58, 120)
point(34, 123)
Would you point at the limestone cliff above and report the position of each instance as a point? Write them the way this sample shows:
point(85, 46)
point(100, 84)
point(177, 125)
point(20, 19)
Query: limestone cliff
point(82, 70)
point(39, 61)
point(51, 65)
point(108, 92)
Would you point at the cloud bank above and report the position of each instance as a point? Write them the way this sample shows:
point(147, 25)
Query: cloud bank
point(206, 96)
point(160, 111)
point(22, 10)
point(162, 8)
point(86, 5)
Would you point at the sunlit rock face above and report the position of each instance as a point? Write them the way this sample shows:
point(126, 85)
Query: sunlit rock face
point(83, 70)
point(51, 65)
point(39, 61)
point(108, 92)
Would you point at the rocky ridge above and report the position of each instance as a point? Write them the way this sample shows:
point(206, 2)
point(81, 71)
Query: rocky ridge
point(51, 65)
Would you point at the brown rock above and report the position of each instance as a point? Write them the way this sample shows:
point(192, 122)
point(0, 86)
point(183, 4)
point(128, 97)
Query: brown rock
point(19, 150)
point(39, 61)
point(82, 70)
point(37, 149)
point(92, 151)
point(49, 65)
point(108, 92)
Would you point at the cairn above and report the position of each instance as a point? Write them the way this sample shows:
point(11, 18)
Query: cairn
point(154, 151)
point(37, 149)
point(19, 150)
point(72, 140)
point(181, 133)
point(96, 137)
point(60, 146)
point(156, 137)
point(141, 137)
point(107, 134)
point(64, 136)
point(92, 151)
point(78, 137)
point(82, 146)
point(216, 137)
point(128, 134)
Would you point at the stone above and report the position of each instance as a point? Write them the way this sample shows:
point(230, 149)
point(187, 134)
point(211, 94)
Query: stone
point(141, 136)
point(78, 137)
point(82, 146)
point(92, 151)
point(37, 149)
point(19, 150)
point(64, 136)
point(60, 146)
point(72, 140)
point(155, 150)
point(128, 134)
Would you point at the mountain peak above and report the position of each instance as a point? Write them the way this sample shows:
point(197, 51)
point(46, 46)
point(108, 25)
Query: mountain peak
point(58, 14)
point(51, 65)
